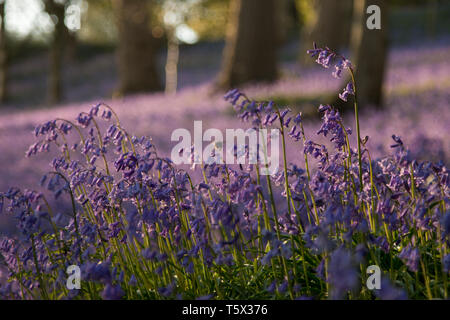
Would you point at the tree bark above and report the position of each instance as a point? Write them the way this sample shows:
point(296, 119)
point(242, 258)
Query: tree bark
point(432, 18)
point(369, 49)
point(3, 55)
point(250, 52)
point(136, 52)
point(56, 50)
point(283, 20)
point(173, 54)
point(326, 22)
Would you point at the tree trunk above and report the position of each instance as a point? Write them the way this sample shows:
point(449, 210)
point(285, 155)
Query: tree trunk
point(173, 54)
point(369, 48)
point(432, 18)
point(283, 20)
point(56, 51)
point(71, 44)
point(329, 23)
point(3, 56)
point(250, 50)
point(326, 22)
point(136, 54)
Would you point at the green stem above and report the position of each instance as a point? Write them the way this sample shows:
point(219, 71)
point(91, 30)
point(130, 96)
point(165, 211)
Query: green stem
point(358, 133)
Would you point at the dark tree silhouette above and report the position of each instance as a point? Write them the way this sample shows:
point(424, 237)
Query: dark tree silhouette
point(60, 35)
point(136, 52)
point(3, 55)
point(250, 52)
point(326, 22)
point(369, 49)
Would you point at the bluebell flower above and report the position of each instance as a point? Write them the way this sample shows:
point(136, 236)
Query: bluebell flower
point(446, 223)
point(343, 273)
point(112, 292)
point(347, 91)
point(272, 286)
point(411, 257)
point(389, 292)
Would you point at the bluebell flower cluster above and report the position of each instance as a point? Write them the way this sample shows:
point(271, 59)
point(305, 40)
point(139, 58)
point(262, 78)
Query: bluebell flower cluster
point(139, 227)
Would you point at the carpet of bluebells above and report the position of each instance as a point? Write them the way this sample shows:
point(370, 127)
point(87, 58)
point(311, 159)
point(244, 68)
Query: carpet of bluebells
point(140, 227)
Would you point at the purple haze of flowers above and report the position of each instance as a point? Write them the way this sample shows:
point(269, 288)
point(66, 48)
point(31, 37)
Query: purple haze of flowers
point(390, 292)
point(411, 256)
point(343, 273)
point(135, 218)
point(112, 292)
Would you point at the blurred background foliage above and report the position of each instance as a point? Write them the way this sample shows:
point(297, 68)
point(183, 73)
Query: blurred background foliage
point(42, 65)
